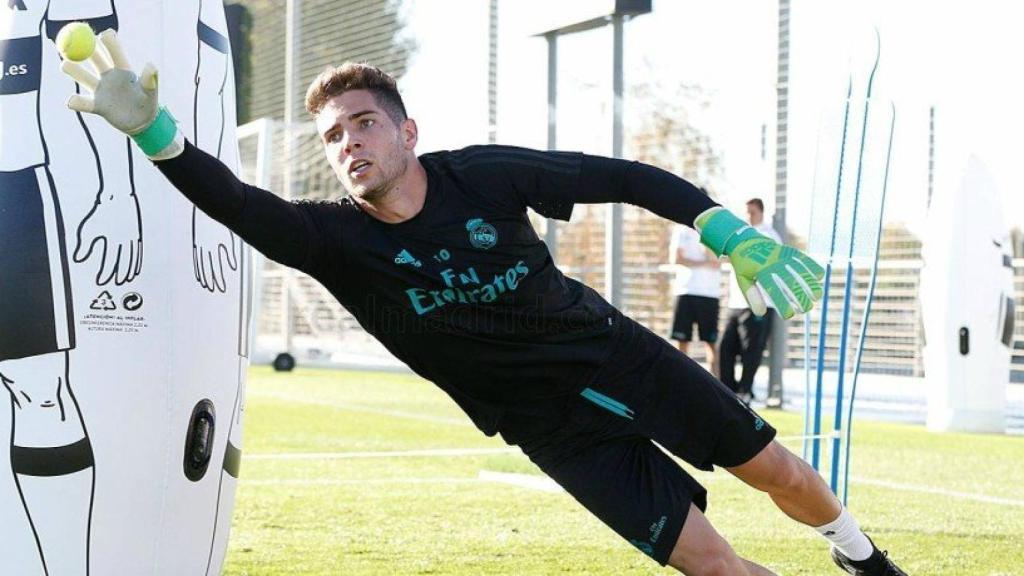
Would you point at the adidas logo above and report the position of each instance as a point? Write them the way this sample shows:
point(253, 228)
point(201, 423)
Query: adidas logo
point(405, 258)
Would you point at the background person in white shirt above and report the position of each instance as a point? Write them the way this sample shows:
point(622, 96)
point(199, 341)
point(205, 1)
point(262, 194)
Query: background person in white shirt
point(745, 334)
point(697, 288)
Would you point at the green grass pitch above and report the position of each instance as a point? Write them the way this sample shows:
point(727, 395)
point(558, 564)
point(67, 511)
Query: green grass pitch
point(942, 504)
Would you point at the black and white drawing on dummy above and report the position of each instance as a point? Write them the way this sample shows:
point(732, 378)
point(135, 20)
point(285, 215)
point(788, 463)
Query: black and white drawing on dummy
point(51, 455)
point(220, 259)
point(125, 497)
point(215, 250)
point(111, 233)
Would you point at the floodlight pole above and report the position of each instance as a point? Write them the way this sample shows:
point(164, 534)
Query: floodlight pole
point(492, 73)
point(551, 233)
point(613, 216)
point(291, 48)
point(616, 15)
point(780, 327)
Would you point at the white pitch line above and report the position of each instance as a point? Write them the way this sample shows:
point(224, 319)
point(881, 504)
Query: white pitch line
point(545, 484)
point(940, 492)
point(428, 453)
point(531, 481)
point(709, 477)
point(368, 409)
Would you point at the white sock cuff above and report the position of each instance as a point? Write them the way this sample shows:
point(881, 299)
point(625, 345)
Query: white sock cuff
point(844, 520)
point(845, 534)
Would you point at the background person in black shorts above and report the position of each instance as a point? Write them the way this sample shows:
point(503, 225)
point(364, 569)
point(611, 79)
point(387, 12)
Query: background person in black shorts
point(476, 305)
point(746, 332)
point(698, 288)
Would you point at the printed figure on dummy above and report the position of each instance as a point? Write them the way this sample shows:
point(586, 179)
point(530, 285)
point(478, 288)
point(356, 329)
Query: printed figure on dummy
point(51, 455)
point(218, 256)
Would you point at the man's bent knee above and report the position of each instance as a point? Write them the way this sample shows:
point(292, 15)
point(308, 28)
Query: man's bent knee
point(720, 566)
point(716, 561)
point(774, 469)
point(700, 550)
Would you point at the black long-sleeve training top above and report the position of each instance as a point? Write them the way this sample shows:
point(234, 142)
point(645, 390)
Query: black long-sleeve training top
point(464, 292)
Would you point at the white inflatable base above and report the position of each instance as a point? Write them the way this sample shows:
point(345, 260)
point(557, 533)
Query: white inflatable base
point(966, 285)
point(975, 421)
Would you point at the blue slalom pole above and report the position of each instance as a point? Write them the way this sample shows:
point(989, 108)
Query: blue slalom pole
point(806, 442)
point(807, 384)
point(867, 316)
point(820, 370)
point(837, 423)
point(823, 323)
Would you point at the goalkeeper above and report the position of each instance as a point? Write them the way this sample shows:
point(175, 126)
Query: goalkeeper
point(436, 258)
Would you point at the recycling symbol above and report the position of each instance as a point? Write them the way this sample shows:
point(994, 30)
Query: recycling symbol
point(103, 302)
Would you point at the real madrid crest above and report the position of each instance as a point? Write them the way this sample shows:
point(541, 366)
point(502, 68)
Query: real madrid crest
point(481, 234)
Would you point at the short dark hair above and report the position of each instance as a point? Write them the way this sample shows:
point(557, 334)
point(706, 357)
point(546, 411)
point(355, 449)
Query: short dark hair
point(335, 80)
point(756, 202)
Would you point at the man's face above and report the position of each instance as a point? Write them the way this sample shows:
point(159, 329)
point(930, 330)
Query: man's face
point(754, 214)
point(367, 151)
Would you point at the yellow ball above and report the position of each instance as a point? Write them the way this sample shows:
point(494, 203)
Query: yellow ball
point(76, 41)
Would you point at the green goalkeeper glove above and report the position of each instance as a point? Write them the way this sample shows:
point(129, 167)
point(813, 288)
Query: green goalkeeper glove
point(128, 102)
point(788, 276)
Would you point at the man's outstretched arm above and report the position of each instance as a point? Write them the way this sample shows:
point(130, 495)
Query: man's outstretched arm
point(667, 195)
point(790, 278)
point(279, 229)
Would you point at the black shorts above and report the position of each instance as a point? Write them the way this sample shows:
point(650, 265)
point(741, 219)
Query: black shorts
point(700, 310)
point(35, 292)
point(603, 453)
